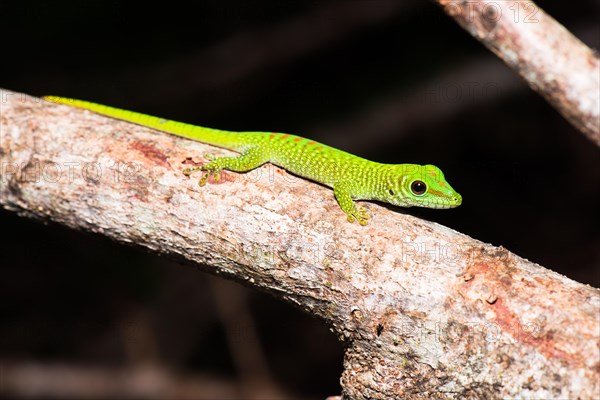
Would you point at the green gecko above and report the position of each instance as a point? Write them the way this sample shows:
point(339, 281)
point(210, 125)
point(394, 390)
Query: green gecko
point(351, 177)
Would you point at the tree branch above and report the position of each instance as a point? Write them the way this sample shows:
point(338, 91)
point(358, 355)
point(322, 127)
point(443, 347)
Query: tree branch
point(425, 312)
point(548, 57)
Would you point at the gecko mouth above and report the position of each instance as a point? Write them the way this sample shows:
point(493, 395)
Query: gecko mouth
point(442, 206)
point(451, 203)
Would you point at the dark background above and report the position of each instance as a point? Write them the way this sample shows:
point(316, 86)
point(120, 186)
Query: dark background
point(390, 80)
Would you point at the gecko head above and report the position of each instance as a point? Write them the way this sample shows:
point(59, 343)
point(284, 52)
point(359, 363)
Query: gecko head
point(421, 186)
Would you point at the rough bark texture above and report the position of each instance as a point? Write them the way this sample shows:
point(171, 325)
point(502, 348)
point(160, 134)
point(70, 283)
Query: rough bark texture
point(425, 312)
point(547, 56)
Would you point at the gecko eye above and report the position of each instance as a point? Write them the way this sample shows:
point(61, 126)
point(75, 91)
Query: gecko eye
point(391, 192)
point(418, 188)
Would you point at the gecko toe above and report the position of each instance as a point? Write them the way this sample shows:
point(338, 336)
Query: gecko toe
point(190, 170)
point(362, 215)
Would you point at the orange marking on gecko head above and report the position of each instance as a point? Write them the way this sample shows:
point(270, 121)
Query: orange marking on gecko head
point(311, 143)
point(272, 135)
point(284, 136)
point(435, 192)
point(297, 139)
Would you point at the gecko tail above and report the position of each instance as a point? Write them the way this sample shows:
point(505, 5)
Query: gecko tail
point(217, 137)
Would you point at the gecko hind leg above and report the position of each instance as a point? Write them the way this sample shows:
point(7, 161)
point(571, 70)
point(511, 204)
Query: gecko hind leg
point(190, 170)
point(247, 161)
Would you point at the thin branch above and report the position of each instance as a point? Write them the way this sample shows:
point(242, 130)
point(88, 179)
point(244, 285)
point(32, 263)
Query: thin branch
point(143, 381)
point(548, 57)
point(425, 311)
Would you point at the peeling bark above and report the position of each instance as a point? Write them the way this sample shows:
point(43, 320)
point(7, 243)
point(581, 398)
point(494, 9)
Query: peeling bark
point(548, 57)
point(424, 311)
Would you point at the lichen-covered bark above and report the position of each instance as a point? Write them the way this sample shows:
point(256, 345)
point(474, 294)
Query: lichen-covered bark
point(547, 56)
point(425, 312)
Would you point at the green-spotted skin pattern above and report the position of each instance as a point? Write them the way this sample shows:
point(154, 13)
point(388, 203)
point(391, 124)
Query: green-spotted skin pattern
point(351, 177)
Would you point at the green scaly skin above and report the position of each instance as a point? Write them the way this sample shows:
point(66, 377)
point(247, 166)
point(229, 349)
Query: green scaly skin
point(351, 177)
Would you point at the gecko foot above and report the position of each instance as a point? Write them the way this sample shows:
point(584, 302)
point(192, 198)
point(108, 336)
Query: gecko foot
point(216, 177)
point(206, 175)
point(359, 213)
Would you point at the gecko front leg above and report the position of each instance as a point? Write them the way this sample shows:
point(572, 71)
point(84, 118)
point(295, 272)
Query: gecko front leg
point(342, 191)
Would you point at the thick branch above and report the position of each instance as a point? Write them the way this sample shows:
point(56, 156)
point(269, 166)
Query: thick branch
point(426, 312)
point(553, 62)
